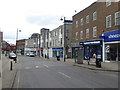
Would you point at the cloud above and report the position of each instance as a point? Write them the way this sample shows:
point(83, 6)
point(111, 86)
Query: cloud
point(44, 20)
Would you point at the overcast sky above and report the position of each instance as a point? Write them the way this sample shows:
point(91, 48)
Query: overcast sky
point(30, 16)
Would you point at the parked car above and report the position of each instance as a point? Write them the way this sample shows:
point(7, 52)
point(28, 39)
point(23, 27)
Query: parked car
point(31, 54)
point(27, 54)
point(12, 56)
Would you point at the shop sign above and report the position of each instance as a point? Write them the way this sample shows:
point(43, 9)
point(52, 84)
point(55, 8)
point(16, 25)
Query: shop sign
point(95, 42)
point(112, 36)
point(57, 49)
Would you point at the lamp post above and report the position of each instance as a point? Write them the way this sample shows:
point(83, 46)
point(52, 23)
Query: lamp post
point(63, 19)
point(16, 41)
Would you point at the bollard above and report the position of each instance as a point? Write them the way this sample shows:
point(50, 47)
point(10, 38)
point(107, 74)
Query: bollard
point(11, 65)
point(15, 60)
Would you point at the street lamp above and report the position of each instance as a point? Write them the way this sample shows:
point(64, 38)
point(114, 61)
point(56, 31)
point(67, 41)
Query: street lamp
point(17, 39)
point(63, 19)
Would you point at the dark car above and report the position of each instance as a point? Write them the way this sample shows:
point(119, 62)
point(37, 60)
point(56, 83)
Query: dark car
point(12, 56)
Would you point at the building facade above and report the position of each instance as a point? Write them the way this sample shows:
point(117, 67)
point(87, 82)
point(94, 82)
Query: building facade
point(44, 50)
point(20, 46)
point(32, 44)
point(60, 41)
point(90, 24)
point(56, 42)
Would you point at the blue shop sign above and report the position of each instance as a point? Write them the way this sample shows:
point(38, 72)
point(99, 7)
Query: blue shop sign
point(93, 42)
point(57, 49)
point(112, 36)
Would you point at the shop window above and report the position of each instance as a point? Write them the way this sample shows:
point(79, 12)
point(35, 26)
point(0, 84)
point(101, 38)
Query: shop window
point(112, 52)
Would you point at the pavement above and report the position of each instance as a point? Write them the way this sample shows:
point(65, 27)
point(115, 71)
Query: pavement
point(8, 75)
point(112, 66)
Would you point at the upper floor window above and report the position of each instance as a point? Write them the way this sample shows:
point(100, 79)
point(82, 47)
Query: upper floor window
point(81, 21)
point(94, 16)
point(108, 2)
point(87, 33)
point(87, 19)
point(76, 24)
point(95, 31)
point(81, 35)
point(76, 35)
point(108, 21)
point(117, 18)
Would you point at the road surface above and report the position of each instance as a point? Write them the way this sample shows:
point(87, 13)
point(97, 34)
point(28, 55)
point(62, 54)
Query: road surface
point(37, 72)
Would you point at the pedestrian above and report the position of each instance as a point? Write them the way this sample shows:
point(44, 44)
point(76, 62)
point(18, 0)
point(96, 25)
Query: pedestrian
point(94, 55)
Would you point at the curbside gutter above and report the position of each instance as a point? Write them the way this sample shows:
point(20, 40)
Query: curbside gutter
point(95, 68)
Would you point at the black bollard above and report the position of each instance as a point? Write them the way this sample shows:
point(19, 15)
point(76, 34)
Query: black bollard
point(11, 65)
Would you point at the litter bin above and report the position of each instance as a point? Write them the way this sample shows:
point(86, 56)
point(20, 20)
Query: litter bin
point(58, 58)
point(98, 63)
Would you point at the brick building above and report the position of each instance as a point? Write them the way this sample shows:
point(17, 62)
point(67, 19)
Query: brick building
point(88, 27)
point(20, 46)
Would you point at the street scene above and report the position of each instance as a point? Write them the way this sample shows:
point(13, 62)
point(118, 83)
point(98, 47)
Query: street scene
point(35, 72)
point(49, 44)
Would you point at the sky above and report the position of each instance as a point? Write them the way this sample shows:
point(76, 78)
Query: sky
point(30, 16)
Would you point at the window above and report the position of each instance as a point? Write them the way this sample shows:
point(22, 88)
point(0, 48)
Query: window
point(76, 24)
point(81, 35)
point(61, 41)
point(87, 19)
point(108, 3)
point(76, 35)
point(117, 18)
point(81, 21)
point(95, 31)
point(94, 16)
point(108, 21)
point(87, 33)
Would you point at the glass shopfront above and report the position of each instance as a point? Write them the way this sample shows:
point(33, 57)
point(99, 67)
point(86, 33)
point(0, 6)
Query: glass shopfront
point(112, 45)
point(58, 52)
point(91, 48)
point(112, 52)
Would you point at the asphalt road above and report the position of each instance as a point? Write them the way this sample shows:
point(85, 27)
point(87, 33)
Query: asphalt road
point(40, 73)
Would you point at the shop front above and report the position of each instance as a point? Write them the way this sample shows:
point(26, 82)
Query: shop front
point(112, 45)
point(92, 47)
point(57, 52)
point(75, 49)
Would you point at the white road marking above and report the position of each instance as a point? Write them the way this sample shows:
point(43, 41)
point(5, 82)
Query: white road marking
point(64, 74)
point(36, 66)
point(46, 66)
